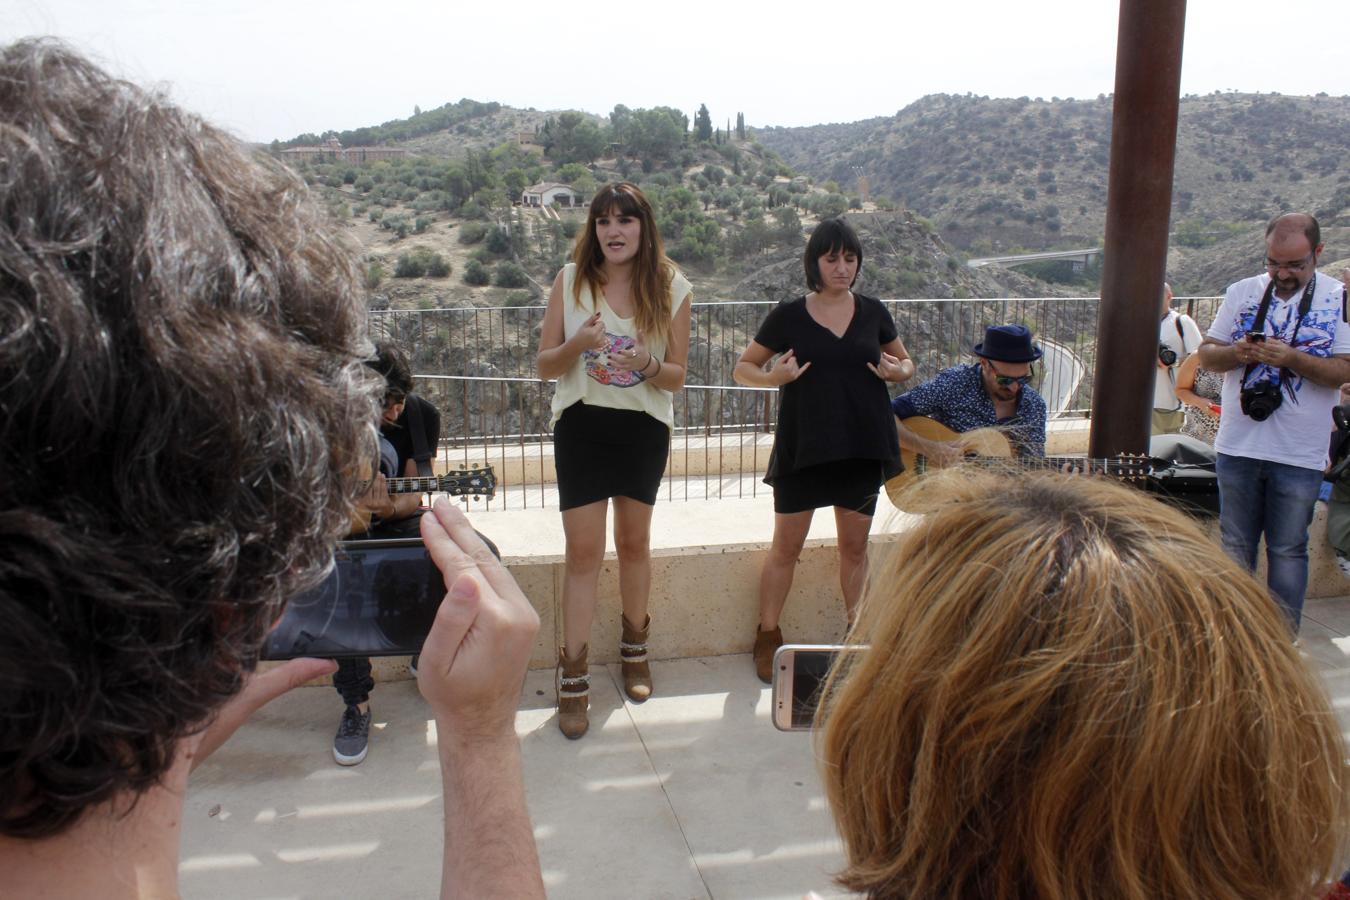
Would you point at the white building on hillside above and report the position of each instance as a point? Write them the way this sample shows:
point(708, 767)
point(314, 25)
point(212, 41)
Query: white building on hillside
point(551, 193)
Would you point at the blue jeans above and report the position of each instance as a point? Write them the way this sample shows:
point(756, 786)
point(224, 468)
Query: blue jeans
point(1257, 496)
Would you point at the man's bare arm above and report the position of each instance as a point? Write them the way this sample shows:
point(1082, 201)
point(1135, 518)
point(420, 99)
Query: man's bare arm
point(471, 670)
point(1328, 371)
point(1218, 357)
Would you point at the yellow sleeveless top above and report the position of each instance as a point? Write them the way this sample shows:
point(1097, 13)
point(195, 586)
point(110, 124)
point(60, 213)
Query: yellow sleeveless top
point(591, 379)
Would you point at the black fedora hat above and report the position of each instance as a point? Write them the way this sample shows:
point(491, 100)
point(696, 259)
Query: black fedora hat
point(1007, 343)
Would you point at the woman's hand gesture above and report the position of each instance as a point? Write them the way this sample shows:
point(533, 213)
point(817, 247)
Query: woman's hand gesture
point(888, 368)
point(785, 368)
point(636, 358)
point(591, 335)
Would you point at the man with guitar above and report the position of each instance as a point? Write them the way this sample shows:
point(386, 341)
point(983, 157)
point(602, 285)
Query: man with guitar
point(379, 514)
point(947, 417)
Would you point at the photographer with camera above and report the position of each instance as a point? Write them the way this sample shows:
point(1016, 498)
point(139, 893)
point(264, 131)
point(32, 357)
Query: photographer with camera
point(1283, 344)
point(1178, 338)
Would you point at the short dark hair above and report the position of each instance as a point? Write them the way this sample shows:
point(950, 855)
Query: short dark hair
point(830, 236)
point(390, 362)
point(183, 414)
point(1306, 222)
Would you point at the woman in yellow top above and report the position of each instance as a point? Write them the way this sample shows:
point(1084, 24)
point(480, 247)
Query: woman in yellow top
point(616, 337)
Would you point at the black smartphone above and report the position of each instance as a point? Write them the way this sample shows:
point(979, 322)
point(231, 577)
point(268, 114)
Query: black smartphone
point(799, 672)
point(380, 599)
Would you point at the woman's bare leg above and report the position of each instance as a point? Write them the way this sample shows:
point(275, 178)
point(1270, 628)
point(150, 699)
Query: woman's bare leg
point(852, 529)
point(632, 544)
point(584, 530)
point(775, 579)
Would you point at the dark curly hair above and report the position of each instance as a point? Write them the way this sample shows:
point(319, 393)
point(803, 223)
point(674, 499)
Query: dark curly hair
point(182, 409)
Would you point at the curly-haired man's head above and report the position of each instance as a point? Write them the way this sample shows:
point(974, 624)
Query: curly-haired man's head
point(182, 402)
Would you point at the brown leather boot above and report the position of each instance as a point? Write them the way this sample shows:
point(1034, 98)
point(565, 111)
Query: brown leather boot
point(574, 689)
point(766, 642)
point(637, 675)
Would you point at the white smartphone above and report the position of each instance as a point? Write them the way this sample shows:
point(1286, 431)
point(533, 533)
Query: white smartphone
point(799, 672)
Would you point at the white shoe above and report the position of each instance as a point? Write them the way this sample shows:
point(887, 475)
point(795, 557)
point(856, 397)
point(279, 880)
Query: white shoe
point(1343, 564)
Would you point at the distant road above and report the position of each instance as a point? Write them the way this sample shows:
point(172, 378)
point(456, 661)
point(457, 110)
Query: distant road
point(1085, 256)
point(1063, 373)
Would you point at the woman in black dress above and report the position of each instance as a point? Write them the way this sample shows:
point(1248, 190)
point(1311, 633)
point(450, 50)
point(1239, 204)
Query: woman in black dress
point(836, 441)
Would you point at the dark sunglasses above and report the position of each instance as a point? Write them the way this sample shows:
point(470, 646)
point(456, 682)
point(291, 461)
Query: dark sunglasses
point(394, 397)
point(1008, 380)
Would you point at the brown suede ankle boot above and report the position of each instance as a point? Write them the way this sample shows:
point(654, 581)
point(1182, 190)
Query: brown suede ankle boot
point(766, 642)
point(637, 675)
point(574, 688)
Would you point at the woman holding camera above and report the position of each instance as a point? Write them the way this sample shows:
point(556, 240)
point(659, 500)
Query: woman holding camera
point(1119, 715)
point(835, 443)
point(616, 337)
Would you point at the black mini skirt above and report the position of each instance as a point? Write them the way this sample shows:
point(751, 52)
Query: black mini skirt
point(601, 453)
point(846, 483)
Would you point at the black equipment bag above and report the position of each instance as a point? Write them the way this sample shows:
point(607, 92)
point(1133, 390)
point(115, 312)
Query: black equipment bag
point(1183, 474)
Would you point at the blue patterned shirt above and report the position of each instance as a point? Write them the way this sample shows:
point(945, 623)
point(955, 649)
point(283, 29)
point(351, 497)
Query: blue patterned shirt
point(956, 398)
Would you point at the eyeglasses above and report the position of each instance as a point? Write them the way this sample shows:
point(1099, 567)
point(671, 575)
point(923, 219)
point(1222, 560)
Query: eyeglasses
point(1292, 267)
point(393, 398)
point(1009, 380)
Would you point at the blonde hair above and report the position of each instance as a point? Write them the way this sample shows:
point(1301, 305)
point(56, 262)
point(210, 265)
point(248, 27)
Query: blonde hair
point(652, 271)
point(1072, 693)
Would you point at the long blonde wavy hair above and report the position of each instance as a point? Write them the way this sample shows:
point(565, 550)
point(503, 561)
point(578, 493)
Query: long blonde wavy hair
point(1071, 692)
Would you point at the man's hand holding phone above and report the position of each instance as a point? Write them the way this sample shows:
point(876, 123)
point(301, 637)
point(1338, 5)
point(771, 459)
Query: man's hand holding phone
point(474, 659)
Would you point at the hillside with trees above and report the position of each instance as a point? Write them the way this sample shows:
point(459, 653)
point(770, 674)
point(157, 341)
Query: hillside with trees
point(1011, 175)
point(443, 226)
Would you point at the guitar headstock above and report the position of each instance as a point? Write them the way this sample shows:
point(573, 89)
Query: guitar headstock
point(1130, 466)
point(477, 482)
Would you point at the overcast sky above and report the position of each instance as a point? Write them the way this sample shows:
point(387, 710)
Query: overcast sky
point(276, 69)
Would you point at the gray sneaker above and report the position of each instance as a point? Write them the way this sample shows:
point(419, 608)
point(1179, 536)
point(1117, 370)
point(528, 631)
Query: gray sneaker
point(352, 740)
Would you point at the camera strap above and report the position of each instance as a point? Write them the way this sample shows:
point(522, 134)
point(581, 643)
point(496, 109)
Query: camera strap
point(1259, 323)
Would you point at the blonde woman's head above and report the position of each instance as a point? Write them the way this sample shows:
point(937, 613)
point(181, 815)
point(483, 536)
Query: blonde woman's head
point(1071, 692)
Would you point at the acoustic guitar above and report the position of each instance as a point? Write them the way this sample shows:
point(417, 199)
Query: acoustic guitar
point(479, 483)
point(991, 446)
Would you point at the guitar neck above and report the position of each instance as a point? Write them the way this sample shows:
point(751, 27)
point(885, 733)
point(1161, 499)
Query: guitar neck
point(427, 485)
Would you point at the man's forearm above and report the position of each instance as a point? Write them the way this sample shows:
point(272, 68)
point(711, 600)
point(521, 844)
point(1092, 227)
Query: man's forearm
point(1328, 371)
point(489, 842)
point(1218, 357)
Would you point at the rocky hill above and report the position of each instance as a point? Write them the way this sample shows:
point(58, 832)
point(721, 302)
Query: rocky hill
point(1002, 175)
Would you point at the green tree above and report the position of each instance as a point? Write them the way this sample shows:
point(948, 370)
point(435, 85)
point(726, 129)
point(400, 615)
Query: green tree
point(374, 274)
point(703, 128)
point(575, 138)
point(498, 241)
point(510, 275)
point(472, 232)
point(655, 133)
point(477, 274)
point(740, 125)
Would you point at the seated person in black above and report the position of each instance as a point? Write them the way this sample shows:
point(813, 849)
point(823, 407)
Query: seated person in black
point(411, 423)
point(380, 515)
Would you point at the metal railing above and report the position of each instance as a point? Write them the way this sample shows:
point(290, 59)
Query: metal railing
point(477, 365)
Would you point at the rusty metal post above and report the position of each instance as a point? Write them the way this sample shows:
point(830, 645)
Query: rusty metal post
point(1139, 200)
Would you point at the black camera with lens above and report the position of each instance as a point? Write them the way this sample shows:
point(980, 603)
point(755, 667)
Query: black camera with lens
point(1260, 400)
point(1166, 355)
